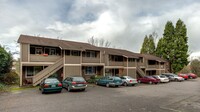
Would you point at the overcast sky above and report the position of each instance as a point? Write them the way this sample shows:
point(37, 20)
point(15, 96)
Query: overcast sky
point(122, 22)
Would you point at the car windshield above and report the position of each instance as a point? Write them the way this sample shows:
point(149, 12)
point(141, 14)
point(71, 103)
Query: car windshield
point(78, 79)
point(129, 77)
point(148, 77)
point(162, 76)
point(117, 78)
point(51, 81)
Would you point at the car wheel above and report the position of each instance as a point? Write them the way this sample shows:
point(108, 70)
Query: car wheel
point(150, 82)
point(96, 83)
point(176, 80)
point(139, 81)
point(83, 89)
point(133, 84)
point(107, 85)
point(68, 89)
point(125, 84)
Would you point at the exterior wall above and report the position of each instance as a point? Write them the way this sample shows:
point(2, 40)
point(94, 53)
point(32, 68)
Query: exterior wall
point(114, 63)
point(72, 71)
point(41, 58)
point(132, 73)
point(72, 59)
point(132, 64)
point(90, 60)
point(24, 52)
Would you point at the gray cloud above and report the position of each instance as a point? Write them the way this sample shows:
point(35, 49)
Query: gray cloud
point(124, 23)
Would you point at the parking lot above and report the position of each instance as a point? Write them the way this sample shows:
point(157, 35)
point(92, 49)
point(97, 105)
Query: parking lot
point(167, 97)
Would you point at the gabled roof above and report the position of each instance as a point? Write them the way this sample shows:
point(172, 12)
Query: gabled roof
point(71, 45)
point(120, 52)
point(63, 44)
point(152, 57)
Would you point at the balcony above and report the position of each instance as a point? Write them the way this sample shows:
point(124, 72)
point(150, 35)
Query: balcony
point(114, 63)
point(44, 58)
point(90, 60)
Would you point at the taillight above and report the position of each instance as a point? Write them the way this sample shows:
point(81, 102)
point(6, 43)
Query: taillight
point(84, 82)
point(130, 80)
point(73, 82)
point(46, 85)
point(60, 85)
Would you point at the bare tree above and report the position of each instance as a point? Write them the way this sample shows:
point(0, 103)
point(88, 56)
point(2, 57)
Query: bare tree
point(99, 42)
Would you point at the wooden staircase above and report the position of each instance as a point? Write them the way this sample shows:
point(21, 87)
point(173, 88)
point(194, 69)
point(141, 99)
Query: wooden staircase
point(47, 72)
point(140, 71)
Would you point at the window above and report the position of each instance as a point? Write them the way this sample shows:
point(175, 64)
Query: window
point(131, 60)
point(90, 54)
point(115, 58)
point(67, 52)
point(38, 50)
point(29, 71)
point(37, 69)
point(32, 50)
point(46, 50)
point(75, 53)
point(52, 51)
point(90, 70)
point(32, 70)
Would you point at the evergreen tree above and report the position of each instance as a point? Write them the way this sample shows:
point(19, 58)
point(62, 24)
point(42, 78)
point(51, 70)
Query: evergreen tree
point(144, 48)
point(159, 48)
point(148, 46)
point(174, 45)
point(180, 46)
point(151, 45)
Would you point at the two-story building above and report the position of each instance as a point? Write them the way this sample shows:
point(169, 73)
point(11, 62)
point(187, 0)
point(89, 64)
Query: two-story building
point(43, 57)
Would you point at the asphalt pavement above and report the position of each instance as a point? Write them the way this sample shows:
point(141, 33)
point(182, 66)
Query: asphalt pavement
point(168, 97)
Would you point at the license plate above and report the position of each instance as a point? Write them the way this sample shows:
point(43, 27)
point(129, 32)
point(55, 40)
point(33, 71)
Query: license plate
point(53, 86)
point(80, 85)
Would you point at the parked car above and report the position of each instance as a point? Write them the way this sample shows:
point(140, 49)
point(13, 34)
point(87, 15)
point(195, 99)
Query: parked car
point(173, 77)
point(74, 83)
point(192, 76)
point(110, 81)
point(185, 76)
point(128, 81)
point(162, 78)
point(148, 79)
point(50, 85)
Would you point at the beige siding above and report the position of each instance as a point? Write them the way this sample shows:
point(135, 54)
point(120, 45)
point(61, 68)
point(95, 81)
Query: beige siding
point(132, 73)
point(72, 59)
point(90, 60)
point(41, 58)
point(72, 71)
point(114, 63)
point(131, 64)
point(24, 52)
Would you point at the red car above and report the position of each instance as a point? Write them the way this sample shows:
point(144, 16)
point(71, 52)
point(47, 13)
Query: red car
point(192, 76)
point(148, 79)
point(185, 76)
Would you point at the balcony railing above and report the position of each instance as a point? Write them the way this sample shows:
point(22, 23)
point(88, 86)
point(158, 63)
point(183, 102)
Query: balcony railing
point(90, 60)
point(44, 58)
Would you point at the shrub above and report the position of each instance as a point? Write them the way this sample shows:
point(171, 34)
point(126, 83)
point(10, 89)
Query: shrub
point(195, 66)
point(3, 87)
point(94, 78)
point(11, 78)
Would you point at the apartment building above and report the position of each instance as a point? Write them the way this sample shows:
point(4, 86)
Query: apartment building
point(43, 57)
